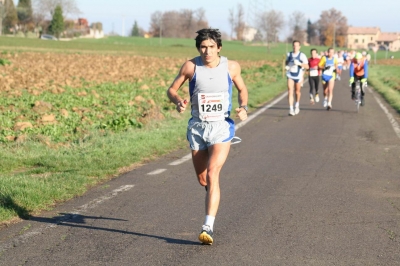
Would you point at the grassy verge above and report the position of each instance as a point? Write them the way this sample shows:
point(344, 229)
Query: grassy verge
point(35, 175)
point(386, 81)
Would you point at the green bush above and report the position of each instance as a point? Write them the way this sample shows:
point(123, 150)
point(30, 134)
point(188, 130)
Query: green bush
point(20, 34)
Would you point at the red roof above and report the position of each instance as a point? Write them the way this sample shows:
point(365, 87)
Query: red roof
point(389, 36)
point(363, 30)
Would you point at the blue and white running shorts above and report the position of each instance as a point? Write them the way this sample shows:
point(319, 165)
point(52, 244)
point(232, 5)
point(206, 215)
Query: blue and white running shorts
point(203, 134)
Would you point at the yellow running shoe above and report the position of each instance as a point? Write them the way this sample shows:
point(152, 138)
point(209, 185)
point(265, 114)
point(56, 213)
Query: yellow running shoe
point(206, 235)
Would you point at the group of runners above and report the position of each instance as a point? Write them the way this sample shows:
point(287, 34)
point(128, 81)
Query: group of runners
point(210, 129)
point(327, 66)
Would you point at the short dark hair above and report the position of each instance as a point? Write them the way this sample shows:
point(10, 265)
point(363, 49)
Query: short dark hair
point(313, 49)
point(295, 42)
point(330, 48)
point(206, 34)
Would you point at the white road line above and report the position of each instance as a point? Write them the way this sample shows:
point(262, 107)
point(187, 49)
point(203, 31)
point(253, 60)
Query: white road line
point(92, 204)
point(239, 125)
point(182, 160)
point(393, 121)
point(157, 172)
point(96, 202)
point(254, 115)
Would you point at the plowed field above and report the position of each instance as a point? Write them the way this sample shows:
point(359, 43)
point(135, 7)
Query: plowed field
point(56, 97)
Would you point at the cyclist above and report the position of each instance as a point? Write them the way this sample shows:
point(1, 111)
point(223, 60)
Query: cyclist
point(296, 62)
point(358, 71)
point(314, 75)
point(328, 65)
point(210, 130)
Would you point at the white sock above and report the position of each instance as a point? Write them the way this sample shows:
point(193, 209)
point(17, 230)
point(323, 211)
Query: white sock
point(326, 98)
point(291, 108)
point(297, 104)
point(210, 221)
point(329, 103)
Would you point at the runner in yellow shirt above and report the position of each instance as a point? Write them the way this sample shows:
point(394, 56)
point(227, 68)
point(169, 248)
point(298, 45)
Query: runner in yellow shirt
point(328, 65)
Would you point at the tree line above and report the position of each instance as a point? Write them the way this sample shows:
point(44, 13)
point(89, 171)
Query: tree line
point(45, 16)
point(268, 24)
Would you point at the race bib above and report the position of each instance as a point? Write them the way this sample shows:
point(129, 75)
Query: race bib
point(329, 72)
point(294, 69)
point(211, 106)
point(314, 72)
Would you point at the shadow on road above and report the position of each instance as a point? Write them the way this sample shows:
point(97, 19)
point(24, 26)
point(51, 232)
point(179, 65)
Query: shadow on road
point(78, 221)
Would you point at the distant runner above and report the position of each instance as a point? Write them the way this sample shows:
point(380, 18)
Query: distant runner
point(314, 75)
point(328, 65)
point(340, 62)
point(296, 61)
point(210, 130)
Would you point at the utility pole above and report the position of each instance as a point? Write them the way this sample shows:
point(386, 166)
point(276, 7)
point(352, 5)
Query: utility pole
point(334, 35)
point(161, 26)
point(123, 26)
point(2, 12)
point(334, 32)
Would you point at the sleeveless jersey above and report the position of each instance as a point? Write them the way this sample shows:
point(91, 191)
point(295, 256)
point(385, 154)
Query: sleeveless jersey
point(295, 72)
point(211, 91)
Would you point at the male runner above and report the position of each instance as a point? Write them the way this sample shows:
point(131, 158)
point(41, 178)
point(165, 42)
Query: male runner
point(358, 71)
point(340, 62)
point(210, 130)
point(328, 65)
point(296, 61)
point(313, 75)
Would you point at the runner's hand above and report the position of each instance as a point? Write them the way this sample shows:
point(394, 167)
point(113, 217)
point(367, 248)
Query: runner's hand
point(297, 62)
point(363, 80)
point(351, 80)
point(181, 106)
point(241, 113)
point(287, 68)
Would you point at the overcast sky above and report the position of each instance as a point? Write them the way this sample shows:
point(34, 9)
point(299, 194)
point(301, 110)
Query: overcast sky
point(119, 15)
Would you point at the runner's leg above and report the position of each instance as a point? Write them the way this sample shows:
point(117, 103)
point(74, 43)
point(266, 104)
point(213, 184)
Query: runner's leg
point(290, 84)
point(200, 162)
point(298, 92)
point(217, 157)
point(330, 86)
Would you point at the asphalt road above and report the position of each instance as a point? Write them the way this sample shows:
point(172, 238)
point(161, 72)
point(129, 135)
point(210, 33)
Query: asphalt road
point(320, 188)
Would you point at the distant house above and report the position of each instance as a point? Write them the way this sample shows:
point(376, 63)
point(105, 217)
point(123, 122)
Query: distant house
point(367, 37)
point(249, 33)
point(389, 39)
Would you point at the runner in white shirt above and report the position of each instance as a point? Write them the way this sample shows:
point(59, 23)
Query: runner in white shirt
point(296, 62)
point(340, 62)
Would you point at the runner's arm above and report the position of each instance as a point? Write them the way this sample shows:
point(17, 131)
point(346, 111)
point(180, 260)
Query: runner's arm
point(321, 64)
point(351, 69)
point(305, 60)
point(185, 73)
point(366, 69)
point(235, 72)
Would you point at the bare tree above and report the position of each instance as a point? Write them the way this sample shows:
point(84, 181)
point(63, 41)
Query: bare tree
point(297, 24)
point(270, 23)
point(183, 24)
point(332, 23)
point(236, 20)
point(232, 21)
point(155, 23)
point(46, 7)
